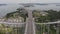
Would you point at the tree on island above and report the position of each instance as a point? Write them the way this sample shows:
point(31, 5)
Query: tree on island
point(20, 12)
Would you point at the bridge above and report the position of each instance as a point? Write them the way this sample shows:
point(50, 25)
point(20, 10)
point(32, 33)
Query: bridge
point(30, 25)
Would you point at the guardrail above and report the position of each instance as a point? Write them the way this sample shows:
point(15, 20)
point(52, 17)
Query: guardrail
point(12, 28)
point(48, 28)
point(38, 28)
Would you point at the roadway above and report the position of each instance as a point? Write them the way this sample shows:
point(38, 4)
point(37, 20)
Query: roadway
point(29, 23)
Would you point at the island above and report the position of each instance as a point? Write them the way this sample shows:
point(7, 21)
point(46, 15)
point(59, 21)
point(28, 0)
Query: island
point(3, 4)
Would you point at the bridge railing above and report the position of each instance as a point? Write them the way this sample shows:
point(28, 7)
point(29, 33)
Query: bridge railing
point(40, 28)
point(12, 20)
point(12, 28)
point(48, 28)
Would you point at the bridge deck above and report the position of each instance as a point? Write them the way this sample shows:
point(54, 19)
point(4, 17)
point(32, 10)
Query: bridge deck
point(29, 29)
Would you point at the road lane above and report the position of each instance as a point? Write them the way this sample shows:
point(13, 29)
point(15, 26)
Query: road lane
point(29, 28)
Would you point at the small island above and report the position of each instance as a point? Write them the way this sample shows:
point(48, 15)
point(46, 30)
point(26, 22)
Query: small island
point(3, 4)
point(19, 15)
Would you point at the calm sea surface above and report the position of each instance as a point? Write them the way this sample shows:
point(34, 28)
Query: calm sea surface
point(12, 7)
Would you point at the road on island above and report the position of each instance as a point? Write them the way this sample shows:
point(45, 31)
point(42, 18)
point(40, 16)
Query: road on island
point(29, 27)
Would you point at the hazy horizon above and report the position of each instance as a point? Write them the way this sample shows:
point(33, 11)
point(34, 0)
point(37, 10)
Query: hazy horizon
point(29, 1)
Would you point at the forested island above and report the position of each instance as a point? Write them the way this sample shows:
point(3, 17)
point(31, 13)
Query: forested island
point(39, 16)
point(3, 4)
point(20, 13)
point(46, 16)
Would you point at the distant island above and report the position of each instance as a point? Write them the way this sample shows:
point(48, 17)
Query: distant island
point(27, 4)
point(3, 4)
point(32, 4)
point(37, 3)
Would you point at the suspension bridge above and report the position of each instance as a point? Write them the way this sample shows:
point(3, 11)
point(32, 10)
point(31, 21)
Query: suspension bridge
point(30, 24)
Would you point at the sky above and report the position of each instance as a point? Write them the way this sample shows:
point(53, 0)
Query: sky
point(29, 1)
